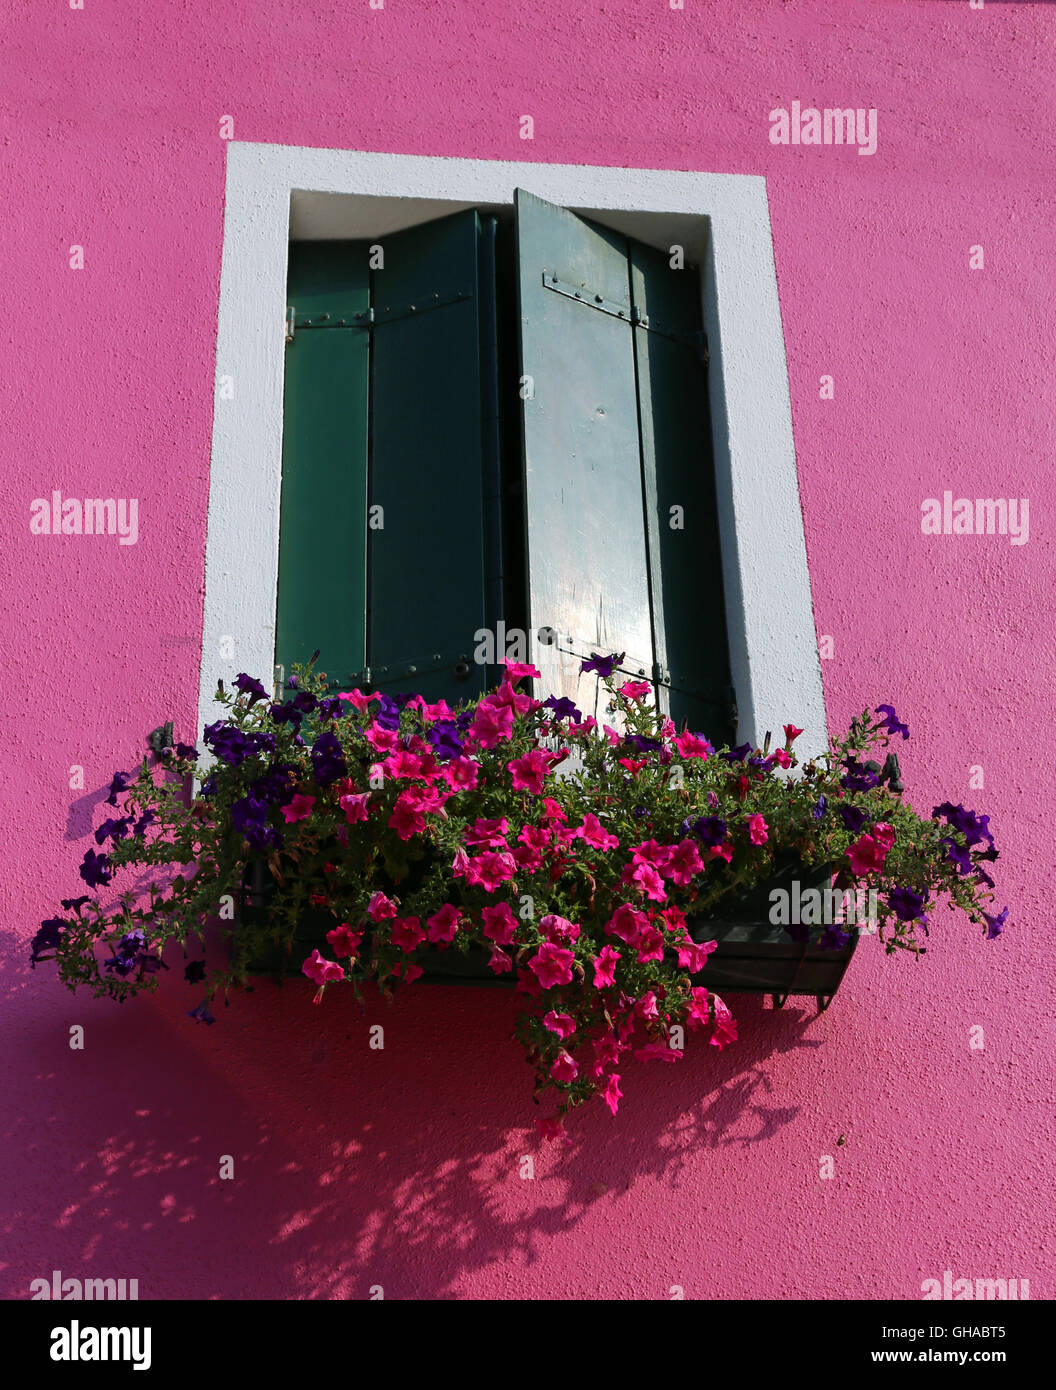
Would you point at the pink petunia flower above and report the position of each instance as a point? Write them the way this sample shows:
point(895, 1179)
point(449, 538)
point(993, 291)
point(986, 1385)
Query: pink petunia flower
point(300, 808)
point(556, 928)
point(489, 833)
point(565, 1068)
point(884, 834)
point(343, 940)
point(627, 923)
point(354, 805)
point(758, 830)
point(693, 745)
point(612, 1095)
point(551, 965)
point(519, 670)
point(725, 1025)
point(605, 967)
point(499, 961)
point(867, 855)
point(594, 833)
point(407, 933)
point(500, 925)
point(693, 956)
point(443, 924)
point(320, 970)
point(645, 1007)
point(635, 690)
point(650, 945)
point(357, 698)
point(791, 733)
point(564, 1025)
point(461, 774)
point(685, 861)
point(528, 773)
point(380, 907)
point(551, 1128)
point(491, 870)
point(657, 1051)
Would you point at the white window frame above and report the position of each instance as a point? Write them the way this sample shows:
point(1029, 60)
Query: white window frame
point(722, 220)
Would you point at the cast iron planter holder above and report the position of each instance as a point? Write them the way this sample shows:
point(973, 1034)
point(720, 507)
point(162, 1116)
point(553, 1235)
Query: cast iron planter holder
point(752, 957)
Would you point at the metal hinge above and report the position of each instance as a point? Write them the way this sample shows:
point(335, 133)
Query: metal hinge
point(371, 317)
point(582, 294)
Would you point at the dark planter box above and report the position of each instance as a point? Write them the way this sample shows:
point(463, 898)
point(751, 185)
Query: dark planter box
point(752, 957)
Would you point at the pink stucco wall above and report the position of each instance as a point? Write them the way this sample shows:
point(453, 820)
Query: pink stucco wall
point(400, 1168)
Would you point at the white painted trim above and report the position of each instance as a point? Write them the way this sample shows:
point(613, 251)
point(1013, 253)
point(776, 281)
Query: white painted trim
point(723, 218)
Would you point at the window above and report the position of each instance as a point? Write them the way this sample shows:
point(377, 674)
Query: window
point(275, 193)
point(498, 425)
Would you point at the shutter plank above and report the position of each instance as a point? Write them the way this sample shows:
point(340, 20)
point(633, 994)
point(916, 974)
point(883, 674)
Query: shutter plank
point(427, 563)
point(322, 550)
point(587, 563)
point(689, 612)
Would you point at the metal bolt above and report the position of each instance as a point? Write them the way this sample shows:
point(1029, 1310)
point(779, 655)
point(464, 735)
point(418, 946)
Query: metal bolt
point(598, 299)
point(323, 318)
point(411, 309)
point(411, 670)
point(340, 323)
point(436, 656)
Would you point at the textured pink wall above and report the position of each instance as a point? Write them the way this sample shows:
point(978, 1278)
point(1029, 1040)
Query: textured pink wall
point(400, 1168)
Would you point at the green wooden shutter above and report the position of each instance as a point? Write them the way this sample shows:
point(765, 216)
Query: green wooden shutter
point(427, 562)
point(689, 612)
point(322, 549)
point(615, 433)
point(387, 433)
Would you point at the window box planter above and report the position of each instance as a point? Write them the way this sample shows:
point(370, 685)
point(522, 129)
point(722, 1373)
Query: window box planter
point(752, 956)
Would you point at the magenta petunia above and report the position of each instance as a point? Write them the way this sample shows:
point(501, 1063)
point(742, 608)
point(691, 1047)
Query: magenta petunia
point(758, 830)
point(407, 933)
point(354, 805)
point(487, 833)
point(380, 907)
point(528, 773)
point(627, 923)
point(635, 690)
point(565, 1068)
point(693, 745)
point(551, 965)
point(300, 808)
point(443, 924)
point(499, 924)
point(320, 970)
point(564, 1025)
point(605, 967)
point(594, 833)
point(499, 961)
point(612, 1095)
point(343, 940)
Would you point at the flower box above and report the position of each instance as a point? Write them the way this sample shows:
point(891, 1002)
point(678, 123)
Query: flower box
point(752, 956)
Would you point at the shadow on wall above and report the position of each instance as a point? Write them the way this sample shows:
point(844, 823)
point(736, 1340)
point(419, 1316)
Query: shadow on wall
point(352, 1167)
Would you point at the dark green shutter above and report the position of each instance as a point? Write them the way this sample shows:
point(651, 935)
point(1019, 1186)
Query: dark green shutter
point(384, 421)
point(615, 434)
point(427, 562)
point(322, 551)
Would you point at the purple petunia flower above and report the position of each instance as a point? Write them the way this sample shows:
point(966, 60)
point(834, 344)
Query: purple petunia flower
point(995, 925)
point(114, 829)
point(709, 830)
point(859, 777)
point(277, 786)
point(833, 938)
point(187, 750)
point(201, 1013)
point(641, 744)
point(328, 760)
point(975, 829)
point(75, 904)
point(853, 817)
point(147, 818)
point(906, 904)
point(249, 685)
point(119, 784)
point(194, 972)
point(444, 740)
point(603, 665)
point(958, 854)
point(890, 721)
point(564, 708)
point(820, 807)
point(95, 870)
point(388, 714)
point(48, 938)
point(738, 754)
